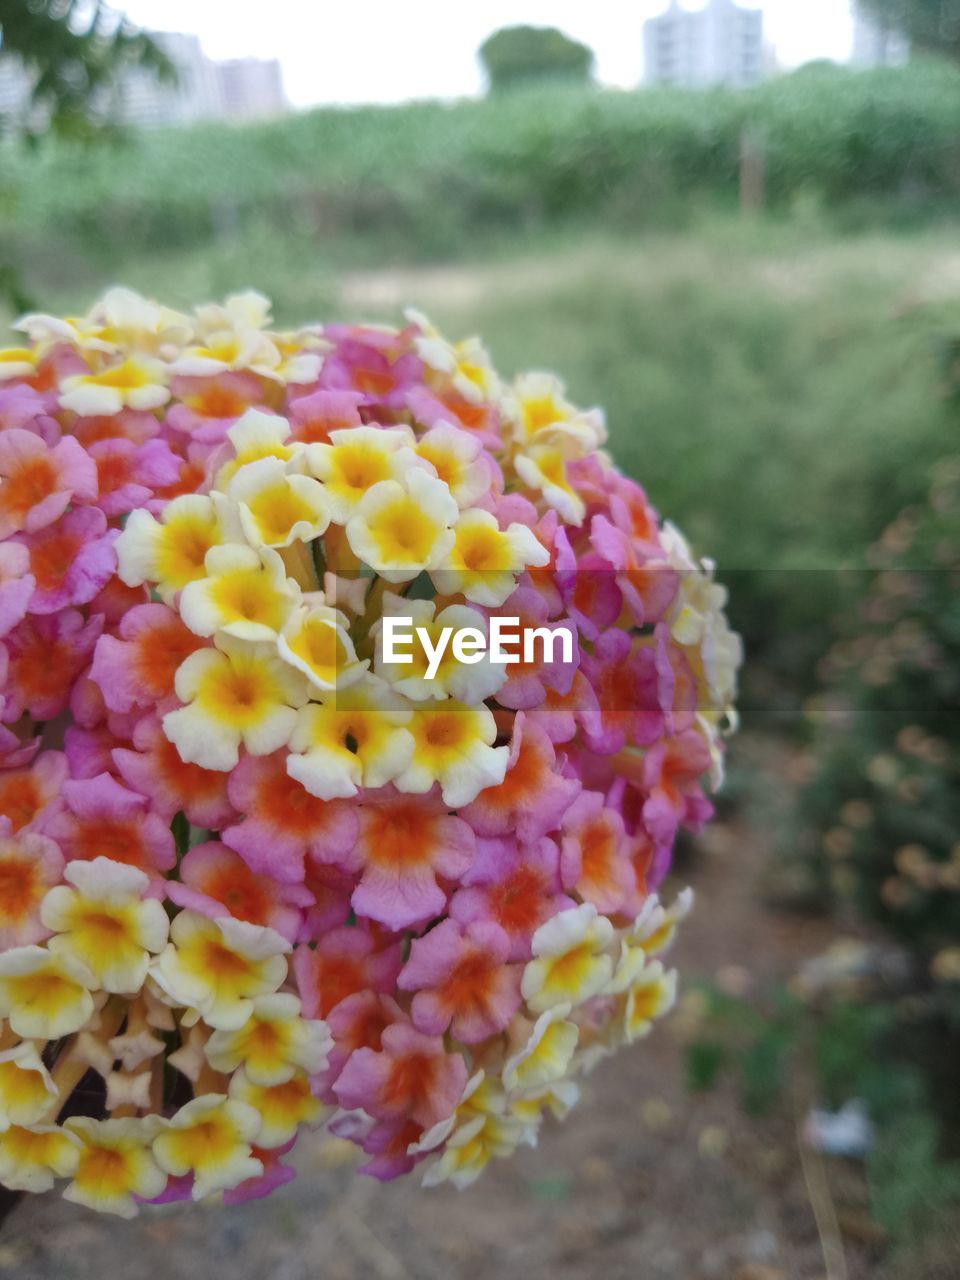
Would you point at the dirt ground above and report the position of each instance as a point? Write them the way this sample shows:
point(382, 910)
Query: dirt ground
point(643, 1181)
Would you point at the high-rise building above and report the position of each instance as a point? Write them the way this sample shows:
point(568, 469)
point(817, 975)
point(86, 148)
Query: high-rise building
point(251, 89)
point(146, 101)
point(243, 89)
point(721, 44)
point(877, 43)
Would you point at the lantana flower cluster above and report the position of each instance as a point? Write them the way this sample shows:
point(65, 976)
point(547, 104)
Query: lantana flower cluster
point(254, 877)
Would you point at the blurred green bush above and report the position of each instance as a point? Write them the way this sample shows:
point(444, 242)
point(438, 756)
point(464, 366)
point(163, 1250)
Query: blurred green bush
point(429, 175)
point(880, 820)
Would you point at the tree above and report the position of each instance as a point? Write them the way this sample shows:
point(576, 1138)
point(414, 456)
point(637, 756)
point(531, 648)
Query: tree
point(72, 52)
point(931, 25)
point(518, 56)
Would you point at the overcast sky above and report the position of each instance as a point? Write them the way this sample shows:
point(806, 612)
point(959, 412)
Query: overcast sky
point(388, 50)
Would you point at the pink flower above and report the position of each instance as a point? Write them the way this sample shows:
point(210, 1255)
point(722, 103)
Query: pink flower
point(411, 1076)
point(357, 1022)
point(533, 796)
point(275, 1174)
point(404, 843)
point(154, 768)
point(634, 690)
point(136, 667)
point(89, 751)
point(216, 882)
point(283, 823)
point(39, 482)
point(387, 1142)
point(46, 656)
point(71, 560)
point(462, 981)
point(128, 474)
point(30, 864)
point(343, 962)
point(431, 407)
point(16, 585)
point(672, 771)
point(331, 889)
point(104, 818)
point(517, 887)
point(560, 714)
point(34, 792)
point(596, 862)
point(358, 365)
point(116, 600)
point(209, 406)
point(313, 417)
point(649, 584)
point(527, 682)
point(591, 596)
point(137, 426)
point(26, 407)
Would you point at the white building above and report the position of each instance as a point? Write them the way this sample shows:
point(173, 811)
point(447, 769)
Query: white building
point(146, 101)
point(877, 43)
point(721, 44)
point(251, 89)
point(244, 89)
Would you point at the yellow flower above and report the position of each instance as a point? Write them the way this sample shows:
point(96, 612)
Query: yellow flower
point(42, 995)
point(546, 1052)
point(537, 405)
point(115, 1164)
point(27, 1091)
point(136, 383)
point(102, 920)
point(401, 528)
point(570, 962)
point(453, 745)
point(469, 682)
point(457, 458)
point(276, 508)
point(470, 1148)
point(218, 967)
point(231, 335)
point(355, 460)
point(211, 1138)
point(656, 926)
point(245, 593)
point(542, 466)
point(253, 436)
point(317, 642)
point(651, 994)
point(350, 738)
point(485, 560)
point(17, 362)
point(559, 1098)
point(234, 693)
point(169, 552)
point(467, 363)
point(31, 1157)
point(273, 1043)
point(123, 320)
point(282, 1108)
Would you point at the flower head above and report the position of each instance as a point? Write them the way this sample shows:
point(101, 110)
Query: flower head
point(257, 871)
point(219, 966)
point(101, 919)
